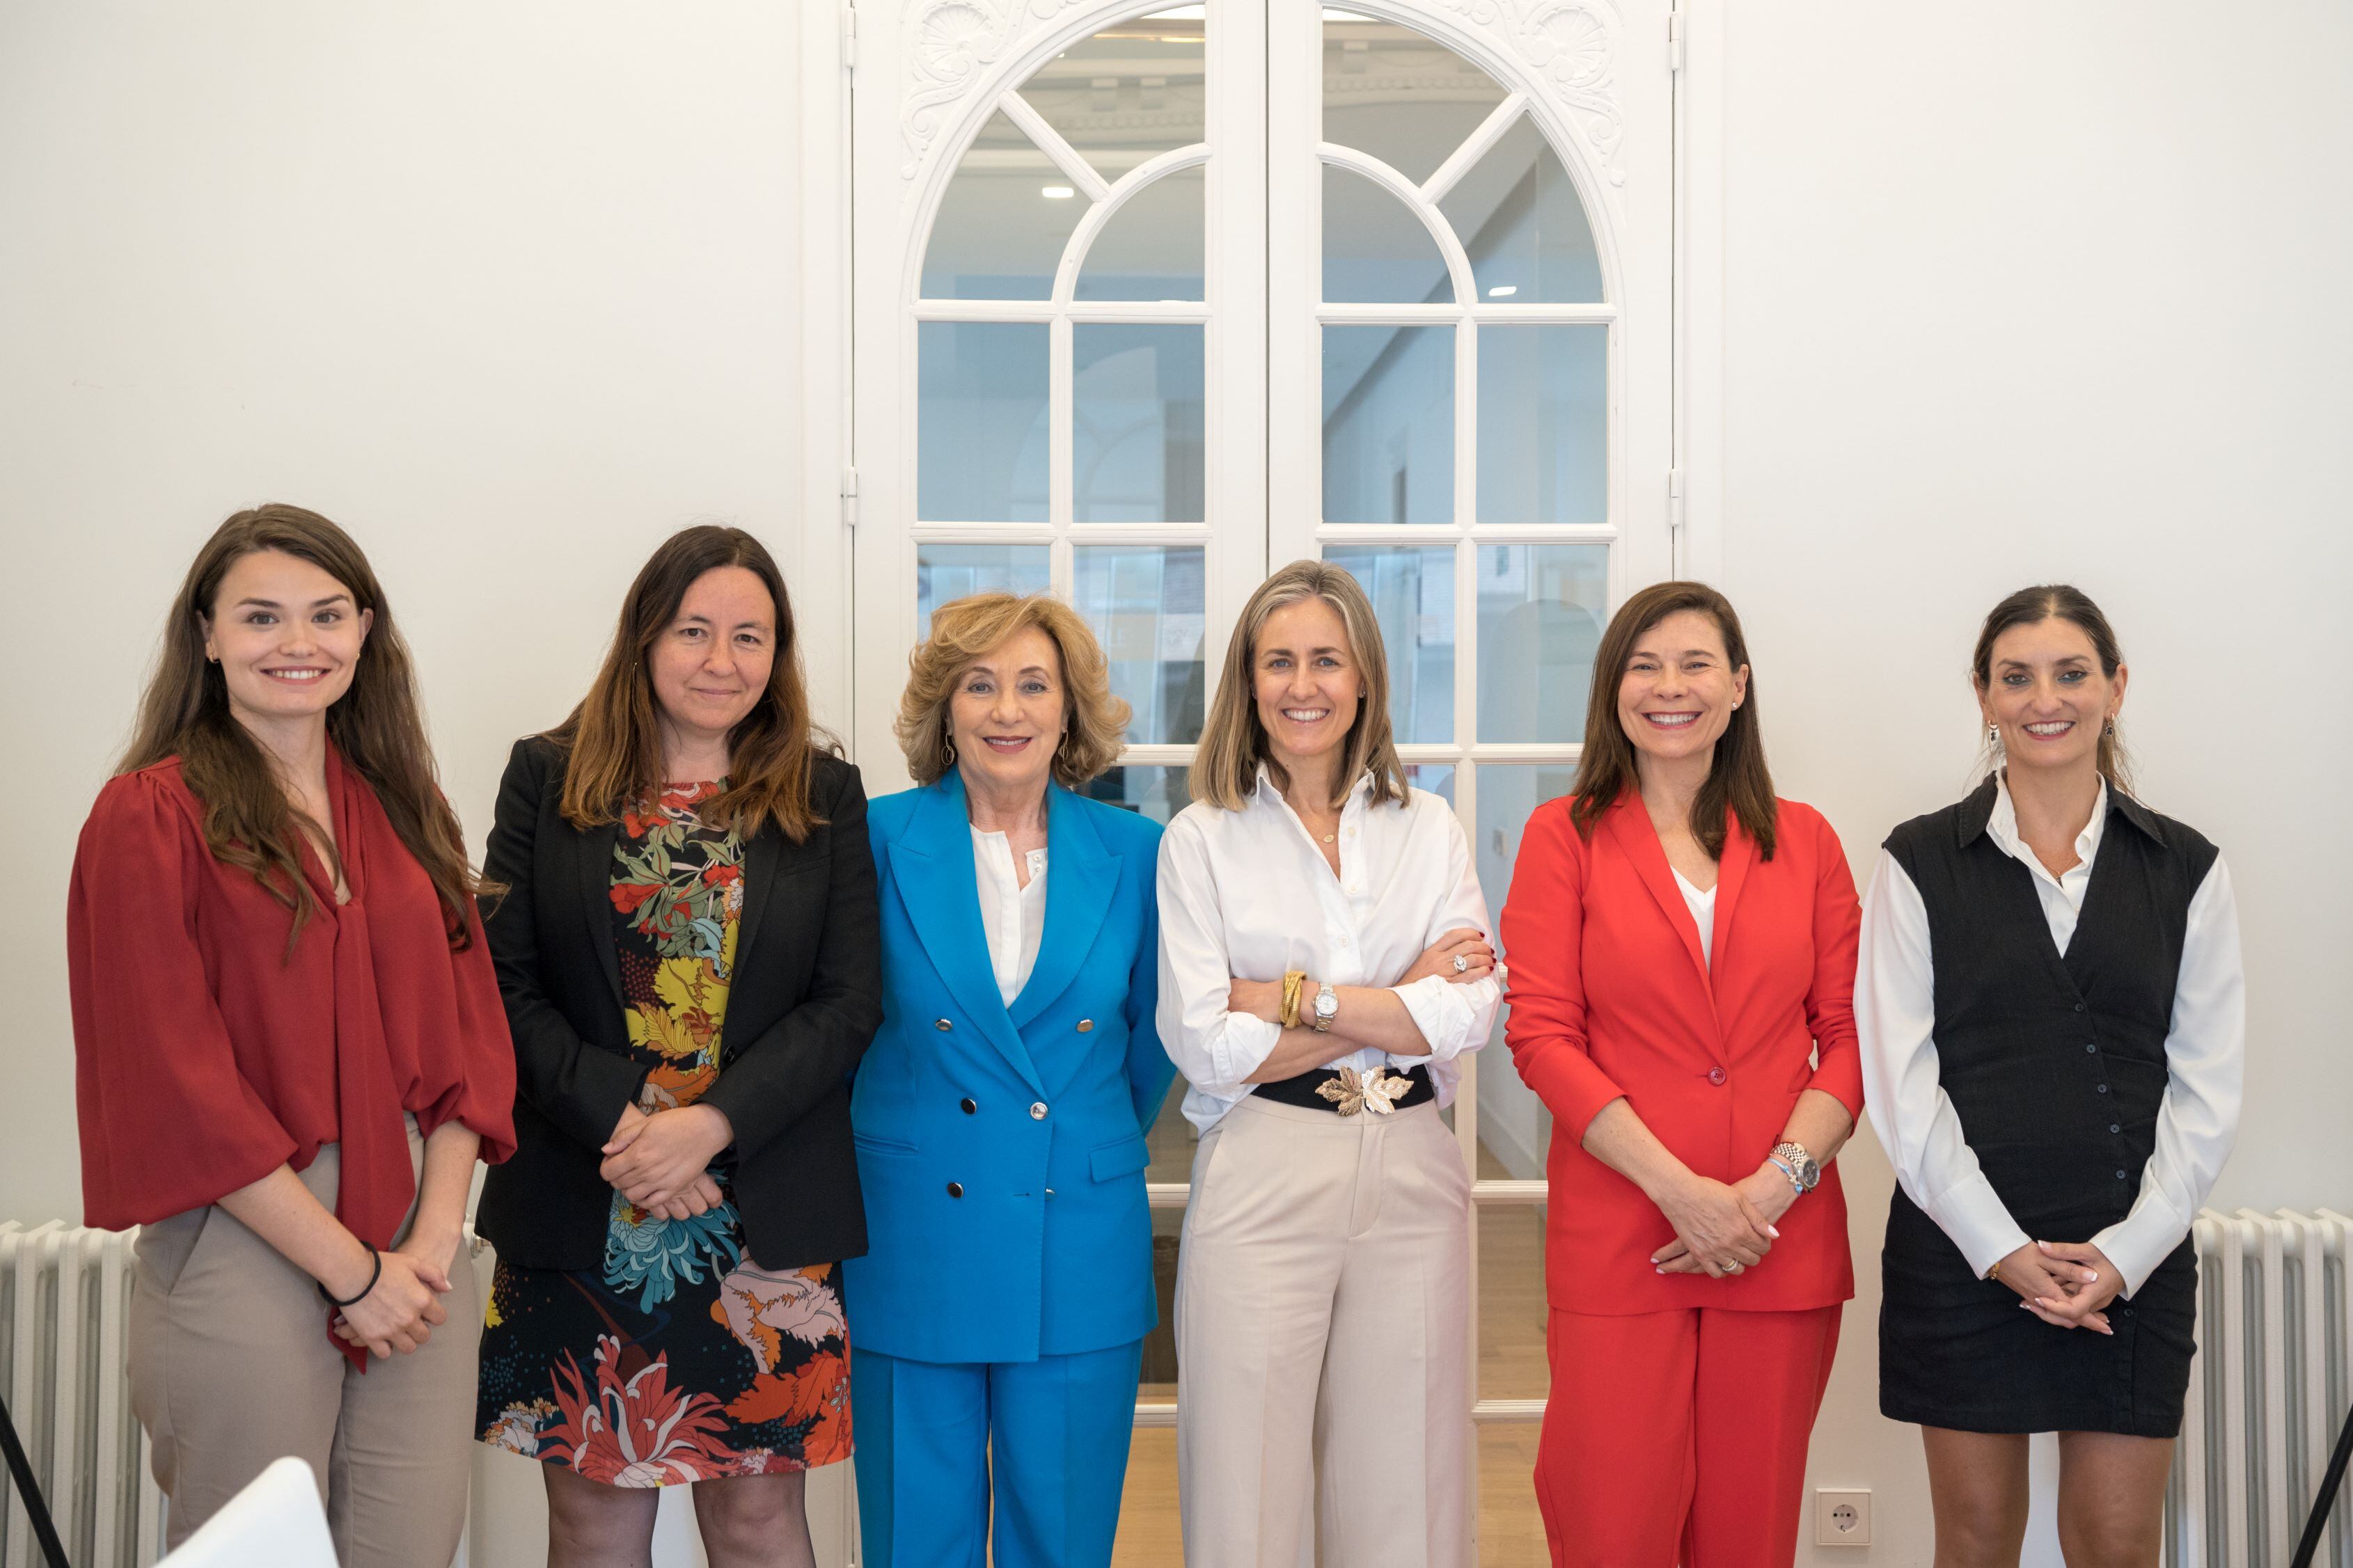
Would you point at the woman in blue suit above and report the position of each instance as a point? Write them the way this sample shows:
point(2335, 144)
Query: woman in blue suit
point(1000, 1113)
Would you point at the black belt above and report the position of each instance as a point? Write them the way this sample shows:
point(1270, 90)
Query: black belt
point(1306, 1090)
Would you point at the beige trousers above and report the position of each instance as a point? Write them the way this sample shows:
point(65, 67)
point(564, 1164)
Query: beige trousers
point(231, 1368)
point(1322, 1297)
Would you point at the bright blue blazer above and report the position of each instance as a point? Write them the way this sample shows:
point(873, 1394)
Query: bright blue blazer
point(1001, 1149)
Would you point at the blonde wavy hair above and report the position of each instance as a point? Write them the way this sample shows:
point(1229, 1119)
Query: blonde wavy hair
point(1233, 742)
point(1094, 723)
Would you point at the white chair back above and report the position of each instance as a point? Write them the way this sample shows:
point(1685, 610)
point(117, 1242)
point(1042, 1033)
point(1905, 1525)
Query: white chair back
point(276, 1521)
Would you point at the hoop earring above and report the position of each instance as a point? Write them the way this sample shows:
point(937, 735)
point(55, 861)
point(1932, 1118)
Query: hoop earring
point(947, 744)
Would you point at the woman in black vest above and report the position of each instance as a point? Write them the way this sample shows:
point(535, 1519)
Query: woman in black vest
point(2052, 1025)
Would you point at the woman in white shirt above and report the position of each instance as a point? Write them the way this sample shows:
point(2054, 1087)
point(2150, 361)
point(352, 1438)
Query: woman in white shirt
point(1324, 962)
point(999, 1114)
point(2052, 1021)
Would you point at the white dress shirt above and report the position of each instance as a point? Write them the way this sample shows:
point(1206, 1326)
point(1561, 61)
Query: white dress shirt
point(1703, 913)
point(1013, 916)
point(2205, 1045)
point(1248, 895)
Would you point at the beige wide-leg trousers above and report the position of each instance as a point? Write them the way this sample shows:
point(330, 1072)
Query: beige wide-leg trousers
point(1321, 1299)
point(231, 1368)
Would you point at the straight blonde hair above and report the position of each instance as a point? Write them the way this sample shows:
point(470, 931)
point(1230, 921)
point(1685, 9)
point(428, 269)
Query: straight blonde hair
point(1233, 742)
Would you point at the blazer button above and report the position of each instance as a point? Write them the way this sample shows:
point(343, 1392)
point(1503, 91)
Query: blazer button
point(1085, 1025)
point(942, 1025)
point(968, 1106)
point(1715, 1075)
point(1050, 1192)
point(1038, 1111)
point(955, 1189)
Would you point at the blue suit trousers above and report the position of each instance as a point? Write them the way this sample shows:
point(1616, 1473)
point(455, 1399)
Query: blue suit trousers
point(1057, 1429)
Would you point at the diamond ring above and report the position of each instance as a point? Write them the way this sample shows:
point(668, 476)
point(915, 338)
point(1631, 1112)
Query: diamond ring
point(1460, 964)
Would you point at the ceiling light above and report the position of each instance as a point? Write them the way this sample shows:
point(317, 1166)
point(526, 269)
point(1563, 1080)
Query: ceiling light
point(1503, 290)
point(1059, 193)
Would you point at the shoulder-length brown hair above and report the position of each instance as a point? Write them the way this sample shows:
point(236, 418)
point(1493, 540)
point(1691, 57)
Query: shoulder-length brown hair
point(377, 726)
point(2061, 601)
point(613, 740)
point(1233, 742)
point(1738, 781)
point(1094, 723)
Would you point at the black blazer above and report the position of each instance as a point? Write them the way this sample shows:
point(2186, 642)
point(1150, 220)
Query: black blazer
point(806, 999)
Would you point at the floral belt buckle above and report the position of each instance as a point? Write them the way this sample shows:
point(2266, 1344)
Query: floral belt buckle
point(1377, 1090)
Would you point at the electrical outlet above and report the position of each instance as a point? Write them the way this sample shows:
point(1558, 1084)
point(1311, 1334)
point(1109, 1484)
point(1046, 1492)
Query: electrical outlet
point(1842, 1518)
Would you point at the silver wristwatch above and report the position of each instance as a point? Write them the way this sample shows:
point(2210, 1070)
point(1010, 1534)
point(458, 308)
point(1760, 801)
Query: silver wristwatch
point(1327, 1006)
point(1792, 1161)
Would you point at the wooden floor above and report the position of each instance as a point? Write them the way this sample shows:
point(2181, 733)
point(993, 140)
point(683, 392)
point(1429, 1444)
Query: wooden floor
point(1511, 1366)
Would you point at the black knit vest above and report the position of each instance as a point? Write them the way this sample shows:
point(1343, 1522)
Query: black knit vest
point(2055, 1064)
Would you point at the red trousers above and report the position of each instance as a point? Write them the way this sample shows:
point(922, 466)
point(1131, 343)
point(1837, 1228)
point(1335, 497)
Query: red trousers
point(1680, 1437)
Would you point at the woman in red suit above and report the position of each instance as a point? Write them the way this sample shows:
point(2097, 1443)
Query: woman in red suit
point(1682, 948)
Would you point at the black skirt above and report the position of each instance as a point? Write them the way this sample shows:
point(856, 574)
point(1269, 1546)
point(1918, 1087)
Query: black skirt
point(1958, 1351)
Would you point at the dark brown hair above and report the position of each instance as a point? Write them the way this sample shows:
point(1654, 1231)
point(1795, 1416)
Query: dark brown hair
point(2062, 601)
point(378, 725)
point(1738, 779)
point(614, 737)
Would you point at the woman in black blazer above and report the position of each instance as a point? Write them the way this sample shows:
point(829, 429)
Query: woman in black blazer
point(687, 953)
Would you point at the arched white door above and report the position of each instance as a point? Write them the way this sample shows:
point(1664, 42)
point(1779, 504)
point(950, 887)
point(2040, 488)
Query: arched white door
point(1151, 298)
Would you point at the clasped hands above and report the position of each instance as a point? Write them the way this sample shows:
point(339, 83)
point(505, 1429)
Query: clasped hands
point(1723, 1227)
point(2067, 1284)
point(661, 1161)
point(1263, 998)
point(403, 1308)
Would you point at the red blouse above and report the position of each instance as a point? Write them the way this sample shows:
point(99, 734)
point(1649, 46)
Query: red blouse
point(207, 1056)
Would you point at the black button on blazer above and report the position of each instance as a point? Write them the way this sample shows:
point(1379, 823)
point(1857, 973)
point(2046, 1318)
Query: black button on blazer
point(806, 999)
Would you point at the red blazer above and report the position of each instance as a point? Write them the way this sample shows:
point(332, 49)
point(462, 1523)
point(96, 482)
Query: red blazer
point(1609, 996)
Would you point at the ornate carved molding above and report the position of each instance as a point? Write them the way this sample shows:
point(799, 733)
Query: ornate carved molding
point(949, 45)
point(1570, 48)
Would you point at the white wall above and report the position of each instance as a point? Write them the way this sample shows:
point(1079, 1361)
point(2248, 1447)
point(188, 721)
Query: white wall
point(2019, 292)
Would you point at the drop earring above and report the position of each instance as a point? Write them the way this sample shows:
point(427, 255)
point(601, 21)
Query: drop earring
point(2110, 727)
point(1993, 736)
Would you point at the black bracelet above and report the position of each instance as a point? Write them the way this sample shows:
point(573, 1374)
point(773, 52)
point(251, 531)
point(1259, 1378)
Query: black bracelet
point(375, 1275)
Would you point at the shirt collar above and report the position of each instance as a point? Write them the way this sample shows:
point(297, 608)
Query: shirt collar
point(2001, 824)
point(1271, 794)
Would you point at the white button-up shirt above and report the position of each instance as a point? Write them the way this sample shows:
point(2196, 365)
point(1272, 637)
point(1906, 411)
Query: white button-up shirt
point(1248, 895)
point(2205, 1046)
point(1013, 915)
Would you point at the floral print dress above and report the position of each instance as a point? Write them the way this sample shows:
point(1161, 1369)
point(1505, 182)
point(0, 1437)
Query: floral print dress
point(680, 1359)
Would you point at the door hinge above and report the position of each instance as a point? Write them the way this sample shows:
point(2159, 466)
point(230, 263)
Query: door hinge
point(849, 39)
point(1675, 500)
point(1674, 41)
point(849, 497)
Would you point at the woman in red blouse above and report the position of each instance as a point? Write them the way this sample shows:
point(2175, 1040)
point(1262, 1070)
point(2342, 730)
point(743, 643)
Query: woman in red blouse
point(291, 1050)
point(1681, 946)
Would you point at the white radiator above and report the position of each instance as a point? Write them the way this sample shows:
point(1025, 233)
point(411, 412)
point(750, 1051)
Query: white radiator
point(65, 1303)
point(2267, 1392)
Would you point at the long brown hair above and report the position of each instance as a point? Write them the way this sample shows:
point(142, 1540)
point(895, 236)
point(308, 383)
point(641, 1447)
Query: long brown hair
point(1738, 781)
point(614, 737)
point(1233, 740)
point(378, 725)
point(2062, 601)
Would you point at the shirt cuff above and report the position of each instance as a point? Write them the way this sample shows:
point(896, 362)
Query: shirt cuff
point(1441, 1012)
point(1978, 1222)
point(1242, 1049)
point(2141, 1241)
